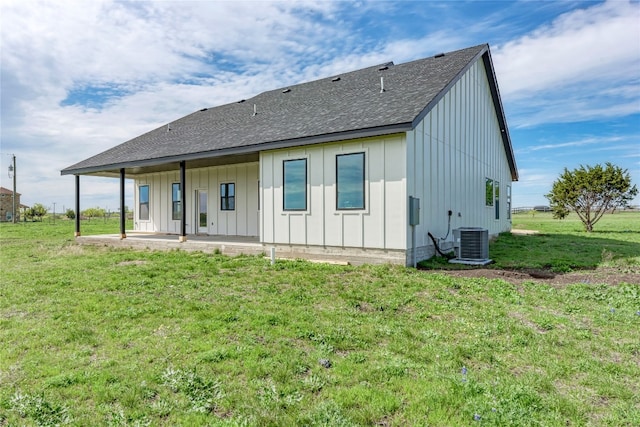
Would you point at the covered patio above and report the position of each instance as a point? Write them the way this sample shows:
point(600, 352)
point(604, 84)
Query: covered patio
point(239, 245)
point(227, 245)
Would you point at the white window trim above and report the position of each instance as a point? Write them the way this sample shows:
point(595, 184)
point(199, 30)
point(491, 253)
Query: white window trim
point(171, 203)
point(307, 191)
point(367, 198)
point(484, 192)
point(283, 159)
point(145, 221)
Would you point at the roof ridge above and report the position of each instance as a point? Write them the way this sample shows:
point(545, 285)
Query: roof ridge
point(311, 112)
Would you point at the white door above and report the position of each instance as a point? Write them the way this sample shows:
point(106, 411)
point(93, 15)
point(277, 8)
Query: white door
point(201, 212)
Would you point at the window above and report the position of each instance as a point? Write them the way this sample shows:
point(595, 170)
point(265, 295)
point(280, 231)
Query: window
point(508, 202)
point(350, 181)
point(228, 196)
point(295, 185)
point(496, 198)
point(488, 192)
point(176, 208)
point(143, 203)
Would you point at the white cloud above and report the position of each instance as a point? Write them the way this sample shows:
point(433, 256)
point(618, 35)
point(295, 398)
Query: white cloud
point(585, 65)
point(163, 60)
point(580, 143)
point(597, 43)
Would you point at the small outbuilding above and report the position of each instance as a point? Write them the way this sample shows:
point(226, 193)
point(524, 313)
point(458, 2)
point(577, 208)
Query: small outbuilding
point(361, 165)
point(8, 204)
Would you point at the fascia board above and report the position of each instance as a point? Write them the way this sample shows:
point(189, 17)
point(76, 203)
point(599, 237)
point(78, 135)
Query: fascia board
point(319, 139)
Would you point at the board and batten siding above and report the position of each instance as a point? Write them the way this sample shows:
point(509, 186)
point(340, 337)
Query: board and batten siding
point(381, 225)
point(243, 221)
point(449, 155)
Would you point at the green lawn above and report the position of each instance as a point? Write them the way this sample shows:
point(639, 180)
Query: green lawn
point(563, 245)
point(99, 336)
point(619, 222)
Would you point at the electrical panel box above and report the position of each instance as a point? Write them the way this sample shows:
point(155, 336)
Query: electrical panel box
point(414, 210)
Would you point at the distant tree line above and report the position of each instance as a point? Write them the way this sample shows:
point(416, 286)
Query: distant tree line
point(38, 211)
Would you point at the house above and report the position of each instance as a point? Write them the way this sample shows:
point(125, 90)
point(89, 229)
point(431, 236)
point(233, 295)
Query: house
point(328, 167)
point(7, 205)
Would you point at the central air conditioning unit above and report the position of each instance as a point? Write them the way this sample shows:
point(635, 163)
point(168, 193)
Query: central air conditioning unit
point(472, 246)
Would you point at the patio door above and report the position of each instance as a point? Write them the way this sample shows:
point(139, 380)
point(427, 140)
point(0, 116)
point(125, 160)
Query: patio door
point(202, 220)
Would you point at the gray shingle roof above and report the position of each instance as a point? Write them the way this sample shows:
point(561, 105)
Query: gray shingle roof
point(313, 112)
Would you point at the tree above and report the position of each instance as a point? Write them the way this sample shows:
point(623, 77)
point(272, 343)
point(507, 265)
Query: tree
point(38, 210)
point(94, 213)
point(590, 192)
point(71, 214)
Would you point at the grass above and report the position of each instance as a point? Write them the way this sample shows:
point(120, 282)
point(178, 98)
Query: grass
point(100, 336)
point(563, 245)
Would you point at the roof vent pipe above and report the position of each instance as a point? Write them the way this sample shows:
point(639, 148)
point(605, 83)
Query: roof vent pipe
point(255, 109)
point(168, 127)
point(381, 84)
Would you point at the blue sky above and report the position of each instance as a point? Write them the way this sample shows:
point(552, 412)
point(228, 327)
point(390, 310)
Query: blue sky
point(79, 77)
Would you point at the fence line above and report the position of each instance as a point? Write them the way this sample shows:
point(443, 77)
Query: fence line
point(525, 209)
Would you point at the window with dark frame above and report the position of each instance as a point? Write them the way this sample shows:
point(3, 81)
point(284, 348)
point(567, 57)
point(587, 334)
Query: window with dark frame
point(143, 203)
point(508, 202)
point(295, 185)
point(496, 198)
point(176, 208)
point(350, 181)
point(488, 193)
point(228, 196)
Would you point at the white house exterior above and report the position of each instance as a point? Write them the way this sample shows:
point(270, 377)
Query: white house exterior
point(327, 168)
point(454, 153)
point(243, 220)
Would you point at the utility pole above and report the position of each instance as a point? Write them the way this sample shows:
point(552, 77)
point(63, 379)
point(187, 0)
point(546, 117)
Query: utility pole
point(12, 171)
point(14, 189)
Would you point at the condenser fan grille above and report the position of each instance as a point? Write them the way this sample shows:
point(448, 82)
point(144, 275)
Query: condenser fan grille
point(472, 245)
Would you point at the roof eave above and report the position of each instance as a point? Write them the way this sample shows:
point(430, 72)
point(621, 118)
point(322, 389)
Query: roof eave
point(485, 54)
point(502, 121)
point(108, 169)
point(448, 87)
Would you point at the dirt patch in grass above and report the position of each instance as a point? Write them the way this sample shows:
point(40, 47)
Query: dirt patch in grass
point(605, 275)
point(523, 319)
point(135, 262)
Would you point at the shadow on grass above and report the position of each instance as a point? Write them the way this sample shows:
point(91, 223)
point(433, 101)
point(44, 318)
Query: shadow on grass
point(558, 252)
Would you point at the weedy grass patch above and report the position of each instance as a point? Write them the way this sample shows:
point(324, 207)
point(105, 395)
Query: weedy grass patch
point(562, 246)
point(103, 336)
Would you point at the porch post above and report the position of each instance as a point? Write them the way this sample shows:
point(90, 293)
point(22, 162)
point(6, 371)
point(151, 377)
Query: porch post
point(123, 214)
point(183, 202)
point(77, 233)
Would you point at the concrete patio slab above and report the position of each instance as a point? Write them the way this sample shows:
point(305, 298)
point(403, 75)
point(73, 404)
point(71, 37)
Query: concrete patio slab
point(244, 245)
